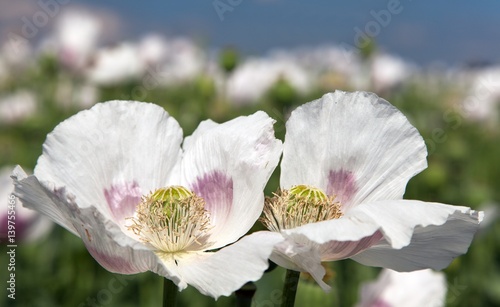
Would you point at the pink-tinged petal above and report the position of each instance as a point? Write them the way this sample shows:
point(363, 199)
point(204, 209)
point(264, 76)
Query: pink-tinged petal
point(336, 250)
point(342, 184)
point(113, 143)
point(416, 234)
point(298, 252)
point(431, 246)
point(302, 257)
point(229, 164)
point(103, 238)
point(113, 249)
point(225, 271)
point(396, 219)
point(348, 228)
point(354, 145)
point(216, 188)
point(123, 199)
point(400, 220)
point(394, 289)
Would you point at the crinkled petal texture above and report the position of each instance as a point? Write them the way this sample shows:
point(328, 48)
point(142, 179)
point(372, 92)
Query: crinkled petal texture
point(395, 289)
point(229, 165)
point(97, 165)
point(356, 146)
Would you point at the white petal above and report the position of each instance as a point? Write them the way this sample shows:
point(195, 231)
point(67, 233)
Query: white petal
point(433, 244)
point(301, 257)
point(113, 249)
point(229, 165)
point(396, 219)
point(30, 225)
point(35, 197)
point(104, 239)
point(353, 145)
point(225, 271)
point(398, 289)
point(112, 150)
point(202, 128)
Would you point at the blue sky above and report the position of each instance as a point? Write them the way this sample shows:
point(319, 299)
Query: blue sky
point(421, 31)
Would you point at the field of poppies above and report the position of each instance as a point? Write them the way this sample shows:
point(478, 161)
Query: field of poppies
point(455, 109)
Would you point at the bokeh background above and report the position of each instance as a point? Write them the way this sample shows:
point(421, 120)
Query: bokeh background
point(437, 62)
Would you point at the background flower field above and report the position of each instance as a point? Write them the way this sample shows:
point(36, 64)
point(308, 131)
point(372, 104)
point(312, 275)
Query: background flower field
point(456, 109)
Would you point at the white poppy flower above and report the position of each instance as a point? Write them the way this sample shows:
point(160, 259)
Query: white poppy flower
point(77, 33)
point(263, 73)
point(115, 65)
point(17, 107)
point(347, 158)
point(116, 176)
point(409, 289)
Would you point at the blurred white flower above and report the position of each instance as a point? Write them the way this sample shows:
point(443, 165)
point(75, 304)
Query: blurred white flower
point(424, 288)
point(389, 71)
point(152, 49)
point(29, 224)
point(483, 97)
point(183, 61)
point(116, 64)
point(323, 59)
point(17, 106)
point(75, 95)
point(254, 77)
point(77, 33)
point(491, 216)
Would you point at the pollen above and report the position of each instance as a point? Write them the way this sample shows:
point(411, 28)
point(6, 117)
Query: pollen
point(172, 220)
point(299, 206)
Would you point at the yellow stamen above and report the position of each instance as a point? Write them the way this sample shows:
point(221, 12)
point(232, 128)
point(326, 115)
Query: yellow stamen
point(299, 206)
point(172, 220)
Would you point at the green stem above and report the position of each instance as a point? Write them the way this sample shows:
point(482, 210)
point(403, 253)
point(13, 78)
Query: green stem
point(170, 291)
point(245, 295)
point(290, 288)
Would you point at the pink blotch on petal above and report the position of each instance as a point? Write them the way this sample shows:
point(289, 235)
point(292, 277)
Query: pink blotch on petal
point(336, 250)
point(123, 199)
point(216, 188)
point(342, 184)
point(113, 263)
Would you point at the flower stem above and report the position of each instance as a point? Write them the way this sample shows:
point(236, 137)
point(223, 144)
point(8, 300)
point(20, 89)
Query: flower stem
point(245, 295)
point(170, 291)
point(290, 288)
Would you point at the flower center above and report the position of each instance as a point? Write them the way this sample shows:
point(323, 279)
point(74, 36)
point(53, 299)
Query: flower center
point(172, 220)
point(299, 206)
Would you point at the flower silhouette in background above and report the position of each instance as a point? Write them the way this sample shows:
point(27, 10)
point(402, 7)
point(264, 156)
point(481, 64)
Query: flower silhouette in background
point(347, 158)
point(117, 177)
point(409, 289)
point(29, 225)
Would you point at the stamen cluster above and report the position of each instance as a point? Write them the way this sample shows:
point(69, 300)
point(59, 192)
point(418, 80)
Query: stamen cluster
point(172, 220)
point(299, 206)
